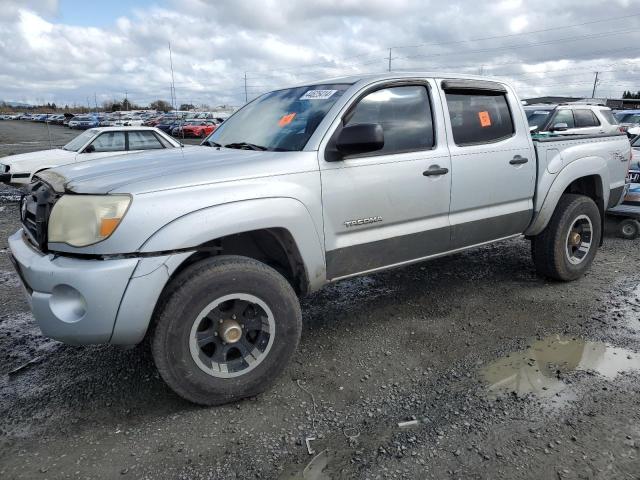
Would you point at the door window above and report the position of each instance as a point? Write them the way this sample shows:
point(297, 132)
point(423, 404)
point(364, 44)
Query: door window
point(585, 118)
point(143, 140)
point(109, 142)
point(564, 116)
point(479, 117)
point(404, 114)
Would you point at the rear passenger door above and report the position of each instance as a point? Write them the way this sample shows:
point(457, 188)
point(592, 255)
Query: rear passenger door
point(492, 172)
point(389, 206)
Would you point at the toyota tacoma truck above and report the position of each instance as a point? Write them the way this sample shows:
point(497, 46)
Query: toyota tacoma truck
point(205, 251)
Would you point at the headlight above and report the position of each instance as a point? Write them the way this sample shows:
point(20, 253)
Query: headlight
point(81, 220)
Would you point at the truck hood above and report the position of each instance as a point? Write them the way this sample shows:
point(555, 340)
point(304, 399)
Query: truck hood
point(27, 162)
point(172, 168)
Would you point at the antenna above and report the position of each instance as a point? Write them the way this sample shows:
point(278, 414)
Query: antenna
point(245, 87)
point(173, 83)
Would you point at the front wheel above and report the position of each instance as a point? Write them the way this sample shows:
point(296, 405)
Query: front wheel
point(225, 330)
point(565, 249)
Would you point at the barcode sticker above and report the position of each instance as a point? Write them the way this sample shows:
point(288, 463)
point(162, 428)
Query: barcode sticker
point(317, 94)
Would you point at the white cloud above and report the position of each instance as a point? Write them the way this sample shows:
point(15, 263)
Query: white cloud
point(279, 42)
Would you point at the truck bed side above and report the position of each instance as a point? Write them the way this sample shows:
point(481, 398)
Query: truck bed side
point(599, 162)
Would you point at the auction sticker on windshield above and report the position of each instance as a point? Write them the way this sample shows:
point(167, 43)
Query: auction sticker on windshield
point(317, 94)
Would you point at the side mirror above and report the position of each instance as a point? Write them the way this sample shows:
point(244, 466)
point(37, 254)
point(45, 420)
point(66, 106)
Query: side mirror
point(90, 149)
point(560, 127)
point(360, 138)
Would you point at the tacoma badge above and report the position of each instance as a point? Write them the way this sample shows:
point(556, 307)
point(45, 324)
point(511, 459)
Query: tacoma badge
point(362, 221)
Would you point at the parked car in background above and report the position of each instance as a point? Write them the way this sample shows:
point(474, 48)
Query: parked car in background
point(630, 124)
point(168, 124)
point(82, 122)
point(570, 119)
point(89, 145)
point(198, 128)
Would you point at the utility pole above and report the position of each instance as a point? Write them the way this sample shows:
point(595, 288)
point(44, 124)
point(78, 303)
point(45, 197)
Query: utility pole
point(390, 58)
point(595, 84)
point(88, 105)
point(246, 97)
point(95, 100)
point(126, 101)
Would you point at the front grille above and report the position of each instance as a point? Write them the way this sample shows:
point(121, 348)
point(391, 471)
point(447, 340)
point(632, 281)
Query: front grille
point(35, 208)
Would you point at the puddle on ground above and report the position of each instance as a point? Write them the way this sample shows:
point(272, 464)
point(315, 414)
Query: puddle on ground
point(539, 369)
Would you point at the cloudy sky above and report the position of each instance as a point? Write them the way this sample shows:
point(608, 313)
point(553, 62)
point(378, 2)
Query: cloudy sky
point(76, 51)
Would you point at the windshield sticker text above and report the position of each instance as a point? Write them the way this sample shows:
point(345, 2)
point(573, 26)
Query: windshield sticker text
point(317, 94)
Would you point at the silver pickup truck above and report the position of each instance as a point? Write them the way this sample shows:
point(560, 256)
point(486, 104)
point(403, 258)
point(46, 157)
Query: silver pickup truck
point(205, 251)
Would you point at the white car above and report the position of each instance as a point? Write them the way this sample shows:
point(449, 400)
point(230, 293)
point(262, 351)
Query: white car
point(89, 145)
point(571, 119)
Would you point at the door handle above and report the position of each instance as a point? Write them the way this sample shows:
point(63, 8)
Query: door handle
point(435, 170)
point(518, 160)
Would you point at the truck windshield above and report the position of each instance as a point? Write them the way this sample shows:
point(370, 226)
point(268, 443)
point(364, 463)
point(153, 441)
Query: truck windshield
point(283, 120)
point(78, 142)
point(537, 118)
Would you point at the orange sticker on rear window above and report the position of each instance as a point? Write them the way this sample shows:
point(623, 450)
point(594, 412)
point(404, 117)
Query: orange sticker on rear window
point(485, 119)
point(286, 119)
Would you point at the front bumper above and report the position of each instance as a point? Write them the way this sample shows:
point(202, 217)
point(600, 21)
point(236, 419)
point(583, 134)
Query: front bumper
point(82, 301)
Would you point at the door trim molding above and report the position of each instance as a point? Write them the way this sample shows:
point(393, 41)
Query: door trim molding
point(409, 262)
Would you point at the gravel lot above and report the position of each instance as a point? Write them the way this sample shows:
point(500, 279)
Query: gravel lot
point(503, 375)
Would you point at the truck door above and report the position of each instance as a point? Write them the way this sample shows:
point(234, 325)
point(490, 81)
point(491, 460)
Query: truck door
point(389, 206)
point(493, 170)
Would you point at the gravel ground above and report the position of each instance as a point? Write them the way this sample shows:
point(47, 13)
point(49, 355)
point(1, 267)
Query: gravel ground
point(500, 374)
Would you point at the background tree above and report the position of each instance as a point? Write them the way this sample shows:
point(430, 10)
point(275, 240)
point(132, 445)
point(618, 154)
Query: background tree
point(160, 105)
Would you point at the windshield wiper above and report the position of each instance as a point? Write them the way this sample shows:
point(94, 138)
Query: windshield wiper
point(245, 146)
point(211, 144)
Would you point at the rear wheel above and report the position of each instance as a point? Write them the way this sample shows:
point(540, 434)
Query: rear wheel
point(567, 246)
point(225, 330)
point(629, 229)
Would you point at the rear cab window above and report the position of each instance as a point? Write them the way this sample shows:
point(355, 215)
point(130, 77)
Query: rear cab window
point(585, 118)
point(478, 115)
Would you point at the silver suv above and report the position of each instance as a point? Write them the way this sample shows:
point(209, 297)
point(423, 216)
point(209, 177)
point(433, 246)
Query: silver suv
point(571, 119)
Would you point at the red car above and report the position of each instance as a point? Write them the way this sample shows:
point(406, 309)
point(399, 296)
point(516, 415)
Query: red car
point(200, 128)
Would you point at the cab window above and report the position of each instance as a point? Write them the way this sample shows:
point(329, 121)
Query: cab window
point(143, 140)
point(479, 116)
point(585, 118)
point(404, 113)
point(564, 116)
point(109, 142)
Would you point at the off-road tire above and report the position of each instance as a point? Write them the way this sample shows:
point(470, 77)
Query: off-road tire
point(629, 229)
point(186, 297)
point(548, 248)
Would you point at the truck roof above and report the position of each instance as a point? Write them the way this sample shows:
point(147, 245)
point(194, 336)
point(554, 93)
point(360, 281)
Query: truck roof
point(374, 77)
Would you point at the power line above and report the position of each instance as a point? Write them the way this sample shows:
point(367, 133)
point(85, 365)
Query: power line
point(561, 27)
